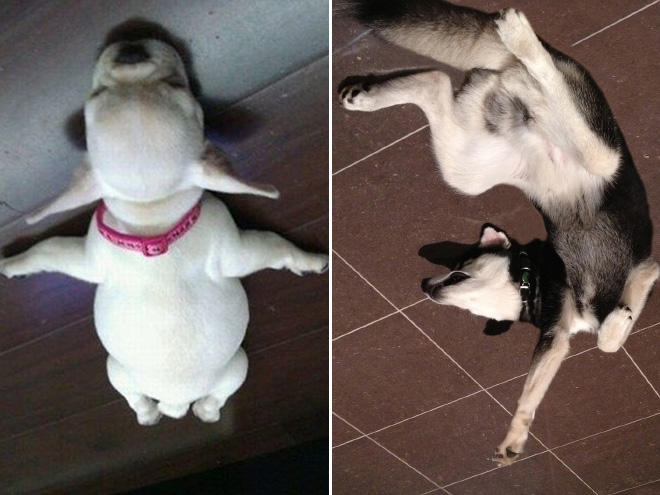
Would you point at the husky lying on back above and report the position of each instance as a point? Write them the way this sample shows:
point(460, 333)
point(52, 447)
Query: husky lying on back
point(531, 117)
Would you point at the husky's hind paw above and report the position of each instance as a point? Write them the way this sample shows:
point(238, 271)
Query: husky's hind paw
point(517, 34)
point(361, 97)
point(614, 330)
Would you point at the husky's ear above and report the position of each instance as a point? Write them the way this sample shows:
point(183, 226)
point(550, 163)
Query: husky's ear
point(213, 172)
point(84, 189)
point(493, 237)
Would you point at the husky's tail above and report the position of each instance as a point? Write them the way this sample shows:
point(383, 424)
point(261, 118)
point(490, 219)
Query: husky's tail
point(458, 36)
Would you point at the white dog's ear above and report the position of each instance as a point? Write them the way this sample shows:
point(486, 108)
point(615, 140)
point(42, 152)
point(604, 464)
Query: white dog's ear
point(213, 172)
point(84, 189)
point(492, 237)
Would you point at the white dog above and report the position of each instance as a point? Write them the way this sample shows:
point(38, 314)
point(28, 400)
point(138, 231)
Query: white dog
point(169, 308)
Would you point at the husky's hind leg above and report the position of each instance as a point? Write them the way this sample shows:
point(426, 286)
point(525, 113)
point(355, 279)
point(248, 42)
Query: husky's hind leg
point(615, 329)
point(471, 159)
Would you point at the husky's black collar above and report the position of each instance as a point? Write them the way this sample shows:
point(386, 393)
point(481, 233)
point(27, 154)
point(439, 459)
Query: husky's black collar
point(527, 286)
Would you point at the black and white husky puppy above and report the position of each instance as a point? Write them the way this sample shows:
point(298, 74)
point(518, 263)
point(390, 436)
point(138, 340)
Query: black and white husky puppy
point(531, 117)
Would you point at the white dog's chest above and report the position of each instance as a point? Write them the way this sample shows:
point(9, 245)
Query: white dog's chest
point(166, 313)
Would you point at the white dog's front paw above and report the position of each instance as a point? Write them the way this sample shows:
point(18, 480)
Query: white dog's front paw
point(12, 267)
point(517, 34)
point(361, 97)
point(615, 329)
point(310, 263)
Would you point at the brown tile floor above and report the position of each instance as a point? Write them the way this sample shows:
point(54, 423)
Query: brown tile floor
point(420, 395)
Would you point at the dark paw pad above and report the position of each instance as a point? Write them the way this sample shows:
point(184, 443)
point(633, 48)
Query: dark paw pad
point(510, 453)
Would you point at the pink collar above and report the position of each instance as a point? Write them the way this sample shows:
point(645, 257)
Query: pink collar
point(148, 246)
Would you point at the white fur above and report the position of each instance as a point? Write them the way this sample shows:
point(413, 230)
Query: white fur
point(172, 324)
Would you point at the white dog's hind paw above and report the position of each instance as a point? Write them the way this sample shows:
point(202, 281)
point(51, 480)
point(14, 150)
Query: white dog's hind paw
point(362, 97)
point(207, 409)
point(149, 418)
point(517, 34)
point(615, 329)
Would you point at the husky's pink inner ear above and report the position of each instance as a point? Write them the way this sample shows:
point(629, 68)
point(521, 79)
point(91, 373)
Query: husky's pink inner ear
point(493, 238)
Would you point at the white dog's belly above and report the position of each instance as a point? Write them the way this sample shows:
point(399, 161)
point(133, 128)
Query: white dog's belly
point(173, 340)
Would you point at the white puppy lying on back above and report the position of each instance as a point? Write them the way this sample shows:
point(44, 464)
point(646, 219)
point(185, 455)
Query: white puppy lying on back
point(169, 308)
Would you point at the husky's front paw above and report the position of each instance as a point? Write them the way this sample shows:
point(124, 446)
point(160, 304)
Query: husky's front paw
point(361, 97)
point(517, 34)
point(311, 263)
point(512, 446)
point(615, 329)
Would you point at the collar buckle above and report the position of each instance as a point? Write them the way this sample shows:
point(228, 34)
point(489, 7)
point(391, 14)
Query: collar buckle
point(155, 246)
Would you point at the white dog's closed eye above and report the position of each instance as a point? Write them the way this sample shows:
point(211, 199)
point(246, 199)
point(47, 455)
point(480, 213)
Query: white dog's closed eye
point(170, 309)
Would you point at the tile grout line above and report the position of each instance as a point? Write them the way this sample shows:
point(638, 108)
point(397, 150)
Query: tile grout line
point(499, 403)
point(391, 453)
point(615, 23)
point(382, 149)
point(379, 319)
point(364, 278)
point(605, 431)
point(634, 487)
point(493, 469)
point(640, 371)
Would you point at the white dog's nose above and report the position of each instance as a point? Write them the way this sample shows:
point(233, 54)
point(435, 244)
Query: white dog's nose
point(131, 53)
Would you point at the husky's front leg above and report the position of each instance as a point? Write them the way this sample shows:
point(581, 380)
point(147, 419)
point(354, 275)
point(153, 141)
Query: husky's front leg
point(550, 351)
point(258, 250)
point(65, 255)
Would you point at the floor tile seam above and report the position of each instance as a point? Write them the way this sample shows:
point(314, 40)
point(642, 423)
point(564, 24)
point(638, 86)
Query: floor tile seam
point(562, 462)
point(362, 435)
point(605, 431)
point(435, 408)
point(615, 23)
point(351, 42)
point(381, 149)
point(365, 279)
point(378, 319)
point(645, 328)
point(640, 371)
point(68, 417)
point(388, 451)
point(633, 487)
point(46, 335)
point(573, 472)
point(494, 469)
point(405, 463)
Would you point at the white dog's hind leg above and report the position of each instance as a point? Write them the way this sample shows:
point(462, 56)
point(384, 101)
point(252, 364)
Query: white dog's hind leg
point(65, 255)
point(208, 408)
point(145, 408)
point(258, 250)
point(615, 329)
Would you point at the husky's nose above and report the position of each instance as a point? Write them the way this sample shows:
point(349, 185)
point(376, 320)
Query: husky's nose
point(427, 286)
point(131, 53)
